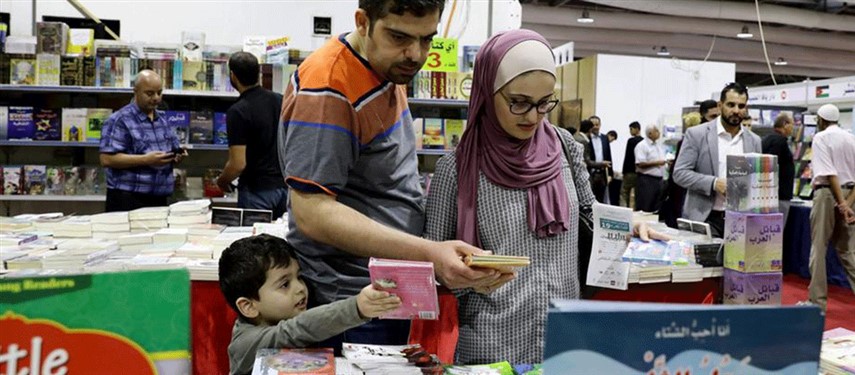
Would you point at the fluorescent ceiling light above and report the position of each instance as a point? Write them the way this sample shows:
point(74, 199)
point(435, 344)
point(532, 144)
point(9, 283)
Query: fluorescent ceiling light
point(745, 34)
point(586, 17)
point(663, 52)
point(781, 62)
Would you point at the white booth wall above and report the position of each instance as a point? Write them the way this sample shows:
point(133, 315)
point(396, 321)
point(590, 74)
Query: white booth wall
point(644, 89)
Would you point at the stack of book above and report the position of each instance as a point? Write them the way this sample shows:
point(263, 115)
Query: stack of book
point(837, 355)
point(753, 232)
point(193, 250)
point(189, 213)
point(134, 243)
point(226, 238)
point(73, 227)
point(111, 225)
point(203, 269)
point(75, 254)
point(149, 219)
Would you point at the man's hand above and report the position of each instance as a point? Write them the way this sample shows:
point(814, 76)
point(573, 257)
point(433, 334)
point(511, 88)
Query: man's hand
point(372, 303)
point(607, 164)
point(641, 230)
point(225, 186)
point(721, 185)
point(503, 279)
point(847, 212)
point(158, 158)
point(447, 259)
point(179, 157)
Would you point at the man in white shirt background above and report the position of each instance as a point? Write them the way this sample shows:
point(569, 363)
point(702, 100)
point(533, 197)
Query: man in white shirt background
point(650, 166)
point(832, 216)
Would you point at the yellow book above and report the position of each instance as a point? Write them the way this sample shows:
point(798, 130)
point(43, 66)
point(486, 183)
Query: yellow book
point(501, 262)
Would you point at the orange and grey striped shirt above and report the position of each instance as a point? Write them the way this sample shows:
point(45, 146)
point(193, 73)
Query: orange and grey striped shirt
point(348, 132)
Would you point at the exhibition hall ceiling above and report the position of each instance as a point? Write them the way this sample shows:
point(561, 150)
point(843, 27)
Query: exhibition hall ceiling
point(815, 37)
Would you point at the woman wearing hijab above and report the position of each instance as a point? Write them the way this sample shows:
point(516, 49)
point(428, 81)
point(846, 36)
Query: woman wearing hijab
point(508, 188)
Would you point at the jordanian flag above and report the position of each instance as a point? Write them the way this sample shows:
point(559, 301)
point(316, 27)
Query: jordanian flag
point(822, 91)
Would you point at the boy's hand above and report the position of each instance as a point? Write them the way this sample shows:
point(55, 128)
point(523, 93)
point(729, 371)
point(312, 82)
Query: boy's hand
point(372, 303)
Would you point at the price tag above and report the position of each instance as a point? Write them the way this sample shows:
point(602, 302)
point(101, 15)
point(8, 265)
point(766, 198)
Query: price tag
point(442, 56)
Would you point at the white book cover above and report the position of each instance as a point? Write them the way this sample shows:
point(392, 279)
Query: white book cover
point(137, 239)
point(74, 123)
point(113, 227)
point(169, 235)
point(149, 213)
point(148, 225)
point(191, 206)
point(189, 219)
point(47, 69)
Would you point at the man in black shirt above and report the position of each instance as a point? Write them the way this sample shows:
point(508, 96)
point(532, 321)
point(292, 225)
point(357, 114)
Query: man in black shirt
point(252, 127)
point(776, 144)
point(628, 171)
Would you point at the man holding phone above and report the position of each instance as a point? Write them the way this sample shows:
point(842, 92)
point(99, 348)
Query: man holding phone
point(138, 149)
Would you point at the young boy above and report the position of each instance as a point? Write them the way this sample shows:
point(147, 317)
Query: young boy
point(259, 276)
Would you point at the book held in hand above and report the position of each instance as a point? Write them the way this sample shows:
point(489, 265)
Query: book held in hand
point(501, 262)
point(294, 362)
point(413, 282)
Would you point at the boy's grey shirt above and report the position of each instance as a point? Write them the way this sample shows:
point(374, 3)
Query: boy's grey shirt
point(312, 326)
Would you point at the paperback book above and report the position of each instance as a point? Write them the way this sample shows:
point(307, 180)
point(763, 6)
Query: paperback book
point(319, 361)
point(201, 127)
point(74, 124)
point(752, 183)
point(95, 118)
point(753, 242)
point(47, 124)
point(34, 179)
point(502, 262)
point(21, 124)
point(413, 282)
point(180, 122)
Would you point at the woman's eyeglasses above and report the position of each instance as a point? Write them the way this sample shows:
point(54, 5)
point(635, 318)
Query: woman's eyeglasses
point(523, 107)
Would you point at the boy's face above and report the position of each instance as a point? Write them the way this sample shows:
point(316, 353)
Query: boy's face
point(283, 295)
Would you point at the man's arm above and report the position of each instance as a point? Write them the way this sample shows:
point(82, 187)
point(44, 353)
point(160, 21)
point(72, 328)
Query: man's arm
point(125, 161)
point(320, 217)
point(684, 169)
point(843, 204)
point(234, 167)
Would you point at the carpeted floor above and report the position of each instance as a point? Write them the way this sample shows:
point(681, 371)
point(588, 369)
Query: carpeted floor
point(841, 301)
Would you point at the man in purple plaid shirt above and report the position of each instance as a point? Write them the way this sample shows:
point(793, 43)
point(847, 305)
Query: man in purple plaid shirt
point(138, 150)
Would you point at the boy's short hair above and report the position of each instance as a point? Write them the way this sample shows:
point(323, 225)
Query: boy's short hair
point(244, 265)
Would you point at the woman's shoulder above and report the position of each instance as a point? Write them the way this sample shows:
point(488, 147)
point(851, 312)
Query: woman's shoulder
point(447, 163)
point(568, 139)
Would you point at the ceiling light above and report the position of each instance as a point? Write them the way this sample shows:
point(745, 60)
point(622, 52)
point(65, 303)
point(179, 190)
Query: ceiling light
point(663, 52)
point(586, 17)
point(781, 62)
point(744, 34)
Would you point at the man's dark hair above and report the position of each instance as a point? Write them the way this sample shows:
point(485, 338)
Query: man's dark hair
point(585, 126)
point(595, 117)
point(245, 67)
point(635, 125)
point(706, 105)
point(244, 265)
point(782, 120)
point(572, 130)
point(378, 9)
point(612, 134)
point(736, 87)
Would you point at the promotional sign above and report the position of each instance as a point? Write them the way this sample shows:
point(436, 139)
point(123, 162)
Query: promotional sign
point(442, 56)
point(108, 323)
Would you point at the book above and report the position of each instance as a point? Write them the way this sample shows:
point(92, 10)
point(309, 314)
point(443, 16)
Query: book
point(81, 42)
point(55, 179)
point(192, 45)
point(210, 188)
point(4, 122)
point(194, 76)
point(95, 118)
point(47, 69)
point(201, 127)
point(253, 216)
point(22, 71)
point(453, 132)
point(753, 242)
point(752, 183)
point(807, 190)
point(294, 362)
point(47, 124)
point(763, 288)
point(71, 71)
point(21, 124)
point(413, 282)
point(51, 37)
point(221, 134)
point(838, 351)
point(34, 179)
point(256, 45)
point(433, 134)
point(806, 172)
point(657, 338)
point(228, 216)
point(658, 252)
point(74, 124)
point(180, 122)
point(501, 262)
point(89, 71)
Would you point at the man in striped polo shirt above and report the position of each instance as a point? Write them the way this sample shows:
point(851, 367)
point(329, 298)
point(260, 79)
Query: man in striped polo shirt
point(348, 153)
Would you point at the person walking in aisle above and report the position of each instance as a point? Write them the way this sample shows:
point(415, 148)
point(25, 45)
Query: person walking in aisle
point(600, 160)
point(252, 124)
point(628, 187)
point(650, 165)
point(832, 216)
point(511, 187)
point(776, 144)
point(348, 153)
point(701, 167)
point(675, 195)
point(138, 150)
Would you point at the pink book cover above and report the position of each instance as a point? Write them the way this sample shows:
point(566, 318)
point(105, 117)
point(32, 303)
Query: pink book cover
point(412, 281)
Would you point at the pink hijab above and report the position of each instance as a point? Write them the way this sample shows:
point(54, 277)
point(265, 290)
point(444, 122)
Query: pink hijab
point(533, 164)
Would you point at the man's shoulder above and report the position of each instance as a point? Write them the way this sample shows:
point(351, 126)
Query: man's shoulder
point(336, 68)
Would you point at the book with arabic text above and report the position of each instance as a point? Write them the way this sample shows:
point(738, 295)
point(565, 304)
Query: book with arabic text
point(657, 338)
point(411, 281)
